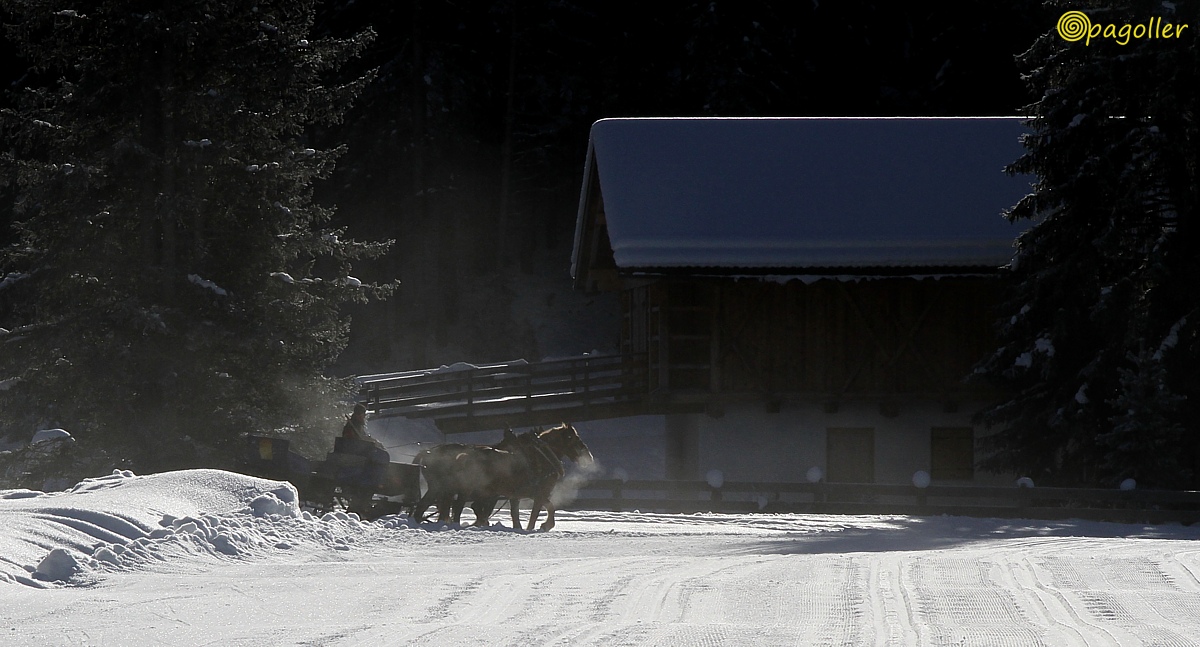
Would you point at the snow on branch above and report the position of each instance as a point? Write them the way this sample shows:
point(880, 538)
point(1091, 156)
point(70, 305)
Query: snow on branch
point(205, 283)
point(12, 278)
point(1171, 340)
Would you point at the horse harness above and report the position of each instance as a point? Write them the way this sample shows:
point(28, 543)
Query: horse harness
point(546, 456)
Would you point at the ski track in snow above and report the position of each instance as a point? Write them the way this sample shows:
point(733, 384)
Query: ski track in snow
point(598, 579)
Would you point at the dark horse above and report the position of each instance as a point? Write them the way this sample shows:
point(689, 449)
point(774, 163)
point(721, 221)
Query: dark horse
point(564, 442)
point(520, 465)
point(528, 465)
point(438, 465)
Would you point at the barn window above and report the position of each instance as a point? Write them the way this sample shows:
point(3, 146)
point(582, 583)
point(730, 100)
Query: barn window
point(952, 453)
point(850, 455)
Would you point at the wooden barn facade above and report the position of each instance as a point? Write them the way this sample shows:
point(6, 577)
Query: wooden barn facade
point(814, 290)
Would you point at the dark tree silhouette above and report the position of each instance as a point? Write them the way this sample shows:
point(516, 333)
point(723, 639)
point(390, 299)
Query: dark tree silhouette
point(173, 282)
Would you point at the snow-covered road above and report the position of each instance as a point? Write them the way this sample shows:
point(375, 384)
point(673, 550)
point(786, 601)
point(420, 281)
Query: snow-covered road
point(617, 579)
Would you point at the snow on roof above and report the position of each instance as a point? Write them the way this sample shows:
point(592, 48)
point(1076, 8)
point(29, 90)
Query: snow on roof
point(806, 192)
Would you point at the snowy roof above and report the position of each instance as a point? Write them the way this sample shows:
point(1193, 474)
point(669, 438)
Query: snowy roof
point(795, 193)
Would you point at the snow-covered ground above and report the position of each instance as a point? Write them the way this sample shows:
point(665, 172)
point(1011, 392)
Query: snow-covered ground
point(206, 557)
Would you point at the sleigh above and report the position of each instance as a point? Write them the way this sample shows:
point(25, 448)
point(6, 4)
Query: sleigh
point(356, 476)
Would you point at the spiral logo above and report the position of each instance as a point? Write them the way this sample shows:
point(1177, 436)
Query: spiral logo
point(1073, 26)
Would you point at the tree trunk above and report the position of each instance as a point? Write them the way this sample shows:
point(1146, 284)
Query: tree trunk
point(420, 193)
point(506, 149)
point(166, 184)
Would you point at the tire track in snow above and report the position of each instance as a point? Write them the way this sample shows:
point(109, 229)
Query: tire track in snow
point(542, 607)
point(771, 600)
point(829, 592)
point(1182, 567)
point(753, 600)
point(449, 605)
point(1063, 578)
point(665, 595)
point(1133, 599)
point(889, 604)
point(957, 603)
point(1132, 619)
point(566, 604)
point(567, 607)
point(706, 635)
point(564, 601)
point(1047, 606)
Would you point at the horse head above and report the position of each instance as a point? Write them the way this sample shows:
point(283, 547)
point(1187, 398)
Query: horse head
point(565, 441)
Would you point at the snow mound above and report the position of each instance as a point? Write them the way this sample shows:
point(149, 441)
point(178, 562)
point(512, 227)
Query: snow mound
point(60, 564)
point(125, 520)
point(189, 520)
point(280, 501)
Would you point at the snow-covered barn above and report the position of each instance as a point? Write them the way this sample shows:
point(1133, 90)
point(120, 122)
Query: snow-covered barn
point(811, 291)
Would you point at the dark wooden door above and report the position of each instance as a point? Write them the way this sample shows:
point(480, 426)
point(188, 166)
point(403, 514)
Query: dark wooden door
point(850, 455)
point(952, 453)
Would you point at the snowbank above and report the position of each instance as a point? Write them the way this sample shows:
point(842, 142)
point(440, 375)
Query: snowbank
point(123, 520)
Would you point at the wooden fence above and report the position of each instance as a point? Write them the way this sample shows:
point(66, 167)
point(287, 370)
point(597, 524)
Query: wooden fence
point(1127, 506)
point(461, 394)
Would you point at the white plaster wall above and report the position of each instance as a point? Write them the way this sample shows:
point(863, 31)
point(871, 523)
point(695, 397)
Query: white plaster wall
point(632, 447)
point(750, 444)
point(746, 444)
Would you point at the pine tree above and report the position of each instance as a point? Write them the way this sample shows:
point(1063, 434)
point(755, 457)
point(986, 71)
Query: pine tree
point(174, 283)
point(1100, 339)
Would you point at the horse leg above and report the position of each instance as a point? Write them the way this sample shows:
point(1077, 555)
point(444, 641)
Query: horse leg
point(483, 511)
point(445, 503)
point(421, 506)
point(456, 509)
point(514, 507)
point(430, 498)
point(549, 517)
point(533, 513)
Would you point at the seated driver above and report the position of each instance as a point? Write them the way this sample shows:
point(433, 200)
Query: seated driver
point(356, 428)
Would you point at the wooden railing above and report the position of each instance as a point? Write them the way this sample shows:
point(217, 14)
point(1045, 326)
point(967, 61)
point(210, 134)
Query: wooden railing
point(1130, 506)
point(508, 387)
